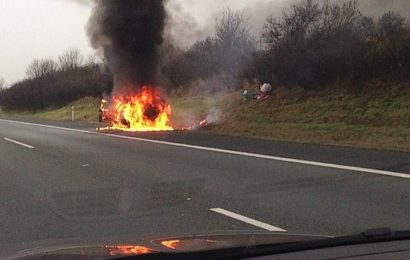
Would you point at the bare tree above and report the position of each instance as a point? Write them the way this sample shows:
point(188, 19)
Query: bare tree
point(234, 44)
point(393, 46)
point(70, 60)
point(2, 84)
point(296, 23)
point(94, 60)
point(41, 68)
point(233, 29)
point(212, 59)
point(91, 60)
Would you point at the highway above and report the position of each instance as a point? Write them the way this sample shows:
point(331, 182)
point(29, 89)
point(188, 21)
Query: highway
point(68, 181)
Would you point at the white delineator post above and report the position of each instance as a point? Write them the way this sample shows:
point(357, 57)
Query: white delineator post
point(72, 113)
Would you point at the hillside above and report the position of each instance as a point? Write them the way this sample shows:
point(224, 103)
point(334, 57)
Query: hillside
point(372, 118)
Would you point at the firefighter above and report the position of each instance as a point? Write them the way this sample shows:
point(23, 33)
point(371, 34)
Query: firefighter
point(102, 111)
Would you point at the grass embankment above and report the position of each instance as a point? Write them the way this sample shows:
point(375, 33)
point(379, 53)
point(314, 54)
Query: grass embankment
point(376, 117)
point(86, 109)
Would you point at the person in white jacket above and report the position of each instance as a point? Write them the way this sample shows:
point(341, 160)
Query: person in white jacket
point(266, 91)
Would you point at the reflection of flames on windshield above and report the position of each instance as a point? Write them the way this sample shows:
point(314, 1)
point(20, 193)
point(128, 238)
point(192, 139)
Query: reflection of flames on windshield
point(194, 244)
point(128, 250)
point(143, 111)
point(171, 243)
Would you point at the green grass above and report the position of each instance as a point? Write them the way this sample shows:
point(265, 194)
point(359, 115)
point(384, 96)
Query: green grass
point(86, 109)
point(370, 118)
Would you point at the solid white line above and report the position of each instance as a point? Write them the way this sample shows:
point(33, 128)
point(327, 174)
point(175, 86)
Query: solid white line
point(247, 220)
point(19, 143)
point(254, 155)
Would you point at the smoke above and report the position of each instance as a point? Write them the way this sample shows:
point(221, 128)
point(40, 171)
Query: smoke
point(129, 33)
point(183, 28)
point(82, 2)
point(190, 21)
point(214, 115)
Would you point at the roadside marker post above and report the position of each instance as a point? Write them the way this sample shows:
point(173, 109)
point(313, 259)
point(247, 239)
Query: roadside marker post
point(72, 113)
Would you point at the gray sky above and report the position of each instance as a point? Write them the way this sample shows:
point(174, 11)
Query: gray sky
point(45, 28)
point(37, 29)
point(32, 29)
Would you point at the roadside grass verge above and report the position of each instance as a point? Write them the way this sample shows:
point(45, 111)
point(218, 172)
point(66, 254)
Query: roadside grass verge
point(377, 116)
point(86, 109)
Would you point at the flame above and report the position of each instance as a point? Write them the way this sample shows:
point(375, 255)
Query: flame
point(196, 126)
point(144, 111)
point(203, 122)
point(171, 243)
point(127, 250)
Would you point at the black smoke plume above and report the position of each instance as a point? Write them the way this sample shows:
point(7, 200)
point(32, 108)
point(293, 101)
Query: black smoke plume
point(129, 32)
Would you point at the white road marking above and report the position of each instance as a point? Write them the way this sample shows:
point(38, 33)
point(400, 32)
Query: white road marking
point(247, 220)
point(254, 155)
point(19, 143)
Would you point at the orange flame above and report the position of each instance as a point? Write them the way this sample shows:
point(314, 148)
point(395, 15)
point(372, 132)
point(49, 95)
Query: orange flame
point(171, 243)
point(144, 111)
point(127, 250)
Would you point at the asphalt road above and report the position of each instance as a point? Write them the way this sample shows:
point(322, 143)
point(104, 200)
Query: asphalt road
point(58, 183)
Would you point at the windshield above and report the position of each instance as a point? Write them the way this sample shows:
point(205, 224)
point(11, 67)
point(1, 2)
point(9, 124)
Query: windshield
point(134, 125)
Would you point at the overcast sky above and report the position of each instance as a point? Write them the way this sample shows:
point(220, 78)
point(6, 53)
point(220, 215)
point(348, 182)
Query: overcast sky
point(45, 28)
point(38, 28)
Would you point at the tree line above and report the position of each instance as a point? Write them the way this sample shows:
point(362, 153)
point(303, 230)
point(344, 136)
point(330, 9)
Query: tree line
point(51, 83)
point(219, 60)
point(312, 44)
point(315, 44)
